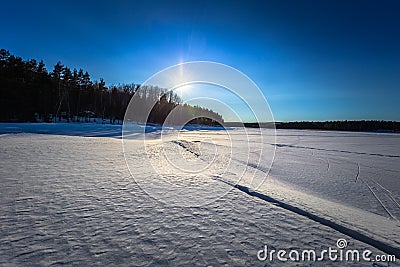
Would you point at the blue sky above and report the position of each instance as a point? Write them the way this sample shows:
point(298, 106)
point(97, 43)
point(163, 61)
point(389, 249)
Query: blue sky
point(313, 60)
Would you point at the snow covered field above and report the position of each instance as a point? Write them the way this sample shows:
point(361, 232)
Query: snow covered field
point(67, 195)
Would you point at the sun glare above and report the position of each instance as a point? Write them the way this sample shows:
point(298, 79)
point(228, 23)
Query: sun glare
point(183, 91)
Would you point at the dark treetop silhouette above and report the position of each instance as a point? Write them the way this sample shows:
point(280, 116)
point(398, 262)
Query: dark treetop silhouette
point(28, 92)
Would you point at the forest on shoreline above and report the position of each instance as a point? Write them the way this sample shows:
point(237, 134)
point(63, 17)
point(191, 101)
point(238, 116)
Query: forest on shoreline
point(361, 125)
point(31, 93)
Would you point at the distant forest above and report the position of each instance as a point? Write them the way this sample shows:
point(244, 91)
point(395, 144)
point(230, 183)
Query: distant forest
point(363, 125)
point(30, 93)
point(370, 125)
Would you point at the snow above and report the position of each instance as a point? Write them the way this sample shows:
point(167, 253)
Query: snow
point(76, 194)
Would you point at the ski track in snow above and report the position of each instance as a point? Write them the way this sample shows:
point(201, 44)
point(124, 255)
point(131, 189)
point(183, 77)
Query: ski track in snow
point(335, 226)
point(335, 150)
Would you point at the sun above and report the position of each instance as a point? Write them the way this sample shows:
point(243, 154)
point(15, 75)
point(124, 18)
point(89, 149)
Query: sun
point(183, 91)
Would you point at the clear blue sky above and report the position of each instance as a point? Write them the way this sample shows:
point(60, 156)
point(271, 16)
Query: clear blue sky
point(313, 60)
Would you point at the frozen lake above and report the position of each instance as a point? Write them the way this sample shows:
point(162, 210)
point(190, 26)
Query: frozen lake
point(68, 197)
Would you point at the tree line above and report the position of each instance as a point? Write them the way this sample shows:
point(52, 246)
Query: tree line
point(31, 93)
point(363, 125)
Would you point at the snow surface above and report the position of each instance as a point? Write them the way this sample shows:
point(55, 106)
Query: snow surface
point(67, 195)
